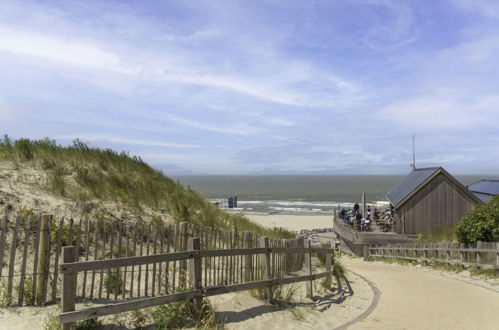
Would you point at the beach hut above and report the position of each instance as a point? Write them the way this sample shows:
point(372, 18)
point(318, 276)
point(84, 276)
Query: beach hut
point(428, 198)
point(485, 189)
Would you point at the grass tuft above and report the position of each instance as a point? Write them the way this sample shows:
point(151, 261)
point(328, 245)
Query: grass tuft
point(185, 314)
point(439, 234)
point(444, 266)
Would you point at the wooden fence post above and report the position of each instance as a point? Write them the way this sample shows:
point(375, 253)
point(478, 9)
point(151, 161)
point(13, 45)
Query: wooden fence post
point(329, 259)
point(183, 247)
point(195, 268)
point(68, 285)
point(12, 261)
point(478, 254)
point(308, 269)
point(194, 244)
point(248, 259)
point(27, 223)
point(497, 255)
point(3, 233)
point(264, 243)
point(300, 257)
point(42, 259)
point(366, 253)
point(363, 204)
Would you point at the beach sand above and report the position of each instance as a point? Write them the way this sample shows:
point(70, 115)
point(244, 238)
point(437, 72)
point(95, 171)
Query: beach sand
point(293, 222)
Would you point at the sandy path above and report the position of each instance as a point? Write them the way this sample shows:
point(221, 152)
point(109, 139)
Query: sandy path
point(412, 299)
point(293, 222)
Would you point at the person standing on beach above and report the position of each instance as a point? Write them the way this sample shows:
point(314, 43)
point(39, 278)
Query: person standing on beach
point(356, 207)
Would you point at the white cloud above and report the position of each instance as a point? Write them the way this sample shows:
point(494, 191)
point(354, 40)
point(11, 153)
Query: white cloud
point(441, 111)
point(393, 29)
point(476, 52)
point(488, 8)
point(54, 48)
point(214, 126)
point(179, 67)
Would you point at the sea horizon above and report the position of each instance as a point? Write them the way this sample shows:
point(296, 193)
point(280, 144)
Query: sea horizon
point(298, 194)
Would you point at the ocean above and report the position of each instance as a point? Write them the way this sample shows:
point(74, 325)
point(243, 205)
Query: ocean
point(297, 194)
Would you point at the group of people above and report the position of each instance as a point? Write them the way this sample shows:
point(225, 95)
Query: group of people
point(373, 218)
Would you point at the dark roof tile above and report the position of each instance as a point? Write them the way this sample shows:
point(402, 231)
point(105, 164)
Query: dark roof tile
point(410, 183)
point(489, 187)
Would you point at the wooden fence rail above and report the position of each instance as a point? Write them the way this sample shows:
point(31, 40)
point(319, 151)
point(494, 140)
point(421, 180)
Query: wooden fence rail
point(30, 253)
point(197, 261)
point(482, 254)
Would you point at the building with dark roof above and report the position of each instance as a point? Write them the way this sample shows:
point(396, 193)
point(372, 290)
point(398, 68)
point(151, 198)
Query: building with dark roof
point(485, 189)
point(428, 198)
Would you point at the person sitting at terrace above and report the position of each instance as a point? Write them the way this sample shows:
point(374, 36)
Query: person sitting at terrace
point(358, 221)
point(366, 225)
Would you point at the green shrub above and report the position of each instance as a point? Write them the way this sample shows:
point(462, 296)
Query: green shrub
point(487, 273)
point(481, 224)
point(282, 295)
point(339, 271)
point(139, 319)
point(5, 297)
point(6, 141)
point(89, 324)
point(24, 148)
point(322, 258)
point(56, 182)
point(48, 163)
point(29, 298)
point(52, 322)
point(64, 233)
point(184, 313)
point(439, 234)
point(113, 282)
point(172, 315)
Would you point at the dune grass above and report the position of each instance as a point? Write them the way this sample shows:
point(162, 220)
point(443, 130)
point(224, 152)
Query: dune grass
point(81, 173)
point(439, 234)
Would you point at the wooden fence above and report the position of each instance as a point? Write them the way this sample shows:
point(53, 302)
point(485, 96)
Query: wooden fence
point(30, 253)
point(200, 281)
point(481, 254)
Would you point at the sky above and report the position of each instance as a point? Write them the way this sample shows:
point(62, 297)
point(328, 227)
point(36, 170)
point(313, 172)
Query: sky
point(258, 87)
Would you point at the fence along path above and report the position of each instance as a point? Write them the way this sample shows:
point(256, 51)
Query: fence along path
point(480, 254)
point(195, 256)
point(30, 252)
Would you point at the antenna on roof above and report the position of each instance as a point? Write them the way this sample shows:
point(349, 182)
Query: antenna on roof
point(413, 152)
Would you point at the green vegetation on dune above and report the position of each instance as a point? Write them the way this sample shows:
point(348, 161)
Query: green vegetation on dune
point(440, 234)
point(84, 174)
point(481, 224)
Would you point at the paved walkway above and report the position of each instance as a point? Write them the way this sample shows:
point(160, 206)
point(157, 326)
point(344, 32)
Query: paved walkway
point(413, 299)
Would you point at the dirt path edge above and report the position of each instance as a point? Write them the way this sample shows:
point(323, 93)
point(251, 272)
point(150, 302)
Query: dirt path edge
point(369, 310)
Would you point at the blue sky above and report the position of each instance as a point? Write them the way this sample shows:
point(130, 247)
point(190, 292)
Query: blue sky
point(259, 87)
